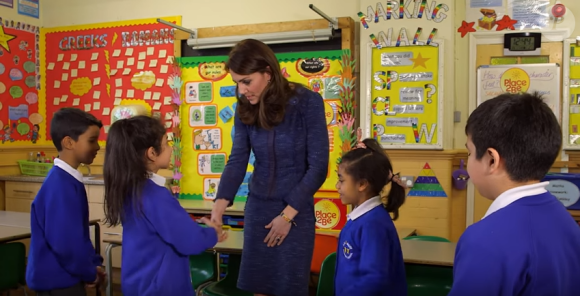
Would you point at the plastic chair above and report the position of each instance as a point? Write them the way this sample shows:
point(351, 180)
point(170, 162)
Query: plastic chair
point(12, 266)
point(427, 238)
point(326, 280)
point(227, 286)
point(324, 245)
point(202, 269)
point(428, 280)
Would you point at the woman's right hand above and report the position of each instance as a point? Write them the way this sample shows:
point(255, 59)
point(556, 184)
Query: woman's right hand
point(221, 234)
point(219, 207)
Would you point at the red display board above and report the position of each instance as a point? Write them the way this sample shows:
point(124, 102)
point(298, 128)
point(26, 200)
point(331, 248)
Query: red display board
point(97, 69)
point(19, 115)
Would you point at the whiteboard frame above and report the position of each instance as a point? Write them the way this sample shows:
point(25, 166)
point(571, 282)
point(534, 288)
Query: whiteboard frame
point(566, 97)
point(366, 99)
point(558, 77)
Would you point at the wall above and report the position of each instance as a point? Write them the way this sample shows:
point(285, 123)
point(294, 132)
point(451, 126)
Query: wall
point(195, 13)
point(462, 74)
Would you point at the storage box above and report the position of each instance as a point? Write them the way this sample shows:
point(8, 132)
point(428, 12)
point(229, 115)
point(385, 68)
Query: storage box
point(488, 20)
point(31, 168)
point(566, 188)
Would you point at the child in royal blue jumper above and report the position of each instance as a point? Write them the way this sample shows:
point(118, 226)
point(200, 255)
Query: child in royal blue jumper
point(527, 243)
point(369, 258)
point(158, 234)
point(62, 259)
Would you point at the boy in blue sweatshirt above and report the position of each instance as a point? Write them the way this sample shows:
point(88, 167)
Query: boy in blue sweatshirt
point(62, 259)
point(527, 243)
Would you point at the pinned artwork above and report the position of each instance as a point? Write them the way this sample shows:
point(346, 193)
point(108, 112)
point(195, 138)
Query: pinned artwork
point(196, 92)
point(19, 111)
point(210, 187)
point(211, 163)
point(427, 184)
point(212, 71)
point(312, 66)
point(205, 115)
point(207, 139)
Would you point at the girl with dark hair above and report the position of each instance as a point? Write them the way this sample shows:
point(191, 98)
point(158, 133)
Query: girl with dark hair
point(158, 235)
point(283, 123)
point(369, 258)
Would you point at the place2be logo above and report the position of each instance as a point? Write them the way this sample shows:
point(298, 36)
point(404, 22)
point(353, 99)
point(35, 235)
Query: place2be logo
point(327, 214)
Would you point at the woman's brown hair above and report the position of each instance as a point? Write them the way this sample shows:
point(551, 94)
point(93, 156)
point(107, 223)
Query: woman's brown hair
point(252, 56)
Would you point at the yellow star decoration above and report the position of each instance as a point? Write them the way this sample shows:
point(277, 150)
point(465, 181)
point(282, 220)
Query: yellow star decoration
point(4, 38)
point(419, 61)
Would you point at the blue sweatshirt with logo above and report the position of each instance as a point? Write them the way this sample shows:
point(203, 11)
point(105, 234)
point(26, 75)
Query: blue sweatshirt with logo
point(61, 254)
point(528, 248)
point(369, 258)
point(157, 243)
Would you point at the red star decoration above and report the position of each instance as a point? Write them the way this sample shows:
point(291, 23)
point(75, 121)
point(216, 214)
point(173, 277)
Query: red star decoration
point(466, 28)
point(505, 23)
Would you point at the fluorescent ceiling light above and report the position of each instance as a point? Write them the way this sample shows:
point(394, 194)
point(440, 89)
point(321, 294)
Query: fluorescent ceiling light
point(268, 38)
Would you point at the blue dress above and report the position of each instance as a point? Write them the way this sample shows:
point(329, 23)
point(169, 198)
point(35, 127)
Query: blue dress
point(291, 163)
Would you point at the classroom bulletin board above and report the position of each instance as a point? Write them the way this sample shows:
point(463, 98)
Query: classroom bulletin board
point(207, 127)
point(19, 83)
point(100, 66)
point(571, 95)
point(404, 96)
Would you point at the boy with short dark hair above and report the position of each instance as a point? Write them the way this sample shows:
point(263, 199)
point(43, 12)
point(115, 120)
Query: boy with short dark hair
point(527, 243)
point(62, 259)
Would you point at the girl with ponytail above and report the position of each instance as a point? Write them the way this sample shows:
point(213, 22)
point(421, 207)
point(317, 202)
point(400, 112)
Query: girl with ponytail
point(369, 257)
point(158, 235)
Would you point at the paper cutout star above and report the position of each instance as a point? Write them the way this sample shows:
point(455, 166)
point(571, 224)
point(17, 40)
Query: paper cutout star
point(505, 23)
point(419, 61)
point(466, 28)
point(5, 38)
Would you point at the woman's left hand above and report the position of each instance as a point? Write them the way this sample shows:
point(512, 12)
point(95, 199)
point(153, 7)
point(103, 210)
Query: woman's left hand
point(279, 229)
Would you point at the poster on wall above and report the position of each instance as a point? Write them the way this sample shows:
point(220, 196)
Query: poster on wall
point(20, 118)
point(7, 3)
point(29, 8)
point(495, 80)
point(404, 103)
point(112, 70)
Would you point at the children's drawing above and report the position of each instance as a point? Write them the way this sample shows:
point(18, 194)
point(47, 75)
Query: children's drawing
point(211, 163)
point(207, 139)
point(210, 187)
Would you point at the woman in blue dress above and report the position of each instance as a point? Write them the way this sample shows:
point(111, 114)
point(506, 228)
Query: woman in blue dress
point(283, 123)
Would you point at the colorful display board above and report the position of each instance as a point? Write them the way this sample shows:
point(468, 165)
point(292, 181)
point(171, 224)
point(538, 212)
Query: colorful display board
point(571, 97)
point(19, 69)
point(208, 110)
point(403, 106)
point(100, 66)
point(207, 129)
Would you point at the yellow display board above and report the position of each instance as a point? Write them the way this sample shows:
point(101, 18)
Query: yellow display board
point(404, 104)
point(208, 109)
point(571, 105)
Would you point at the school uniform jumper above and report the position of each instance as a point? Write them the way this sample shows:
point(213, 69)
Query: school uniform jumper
point(61, 254)
point(157, 243)
point(526, 245)
point(291, 163)
point(369, 260)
